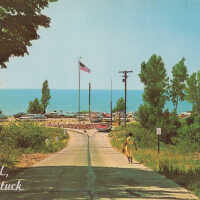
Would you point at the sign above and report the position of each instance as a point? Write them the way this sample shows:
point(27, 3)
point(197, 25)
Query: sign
point(158, 131)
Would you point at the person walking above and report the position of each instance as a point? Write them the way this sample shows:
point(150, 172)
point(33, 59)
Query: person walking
point(129, 147)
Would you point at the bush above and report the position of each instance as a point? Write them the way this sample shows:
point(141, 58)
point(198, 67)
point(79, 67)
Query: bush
point(170, 125)
point(35, 107)
point(189, 136)
point(189, 120)
point(146, 117)
point(144, 138)
point(16, 139)
point(9, 152)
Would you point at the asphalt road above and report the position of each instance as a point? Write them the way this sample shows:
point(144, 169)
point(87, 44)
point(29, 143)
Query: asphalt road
point(89, 168)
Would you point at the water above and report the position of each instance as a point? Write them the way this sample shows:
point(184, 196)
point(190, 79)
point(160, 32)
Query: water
point(13, 101)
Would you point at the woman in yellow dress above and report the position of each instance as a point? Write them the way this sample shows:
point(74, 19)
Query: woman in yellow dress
point(129, 147)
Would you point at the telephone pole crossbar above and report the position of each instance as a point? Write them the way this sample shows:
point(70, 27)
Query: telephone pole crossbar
point(125, 76)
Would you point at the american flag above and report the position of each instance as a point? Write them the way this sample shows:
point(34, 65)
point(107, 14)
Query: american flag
point(84, 68)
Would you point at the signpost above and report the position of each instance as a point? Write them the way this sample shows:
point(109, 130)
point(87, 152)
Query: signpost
point(158, 132)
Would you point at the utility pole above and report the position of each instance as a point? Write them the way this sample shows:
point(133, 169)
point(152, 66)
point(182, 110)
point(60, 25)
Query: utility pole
point(125, 76)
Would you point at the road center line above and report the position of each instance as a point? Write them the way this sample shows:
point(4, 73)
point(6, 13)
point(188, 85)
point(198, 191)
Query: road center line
point(91, 175)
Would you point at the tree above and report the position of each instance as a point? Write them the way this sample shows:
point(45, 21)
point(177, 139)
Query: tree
point(120, 105)
point(192, 91)
point(154, 77)
point(19, 23)
point(35, 107)
point(45, 96)
point(170, 124)
point(146, 116)
point(177, 85)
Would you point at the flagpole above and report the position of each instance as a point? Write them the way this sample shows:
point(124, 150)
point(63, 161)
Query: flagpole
point(89, 99)
point(82, 67)
point(79, 88)
point(111, 114)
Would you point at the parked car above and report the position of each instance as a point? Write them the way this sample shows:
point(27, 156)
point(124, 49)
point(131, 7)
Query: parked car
point(53, 114)
point(69, 115)
point(3, 118)
point(95, 119)
point(20, 114)
point(107, 119)
point(29, 117)
point(103, 127)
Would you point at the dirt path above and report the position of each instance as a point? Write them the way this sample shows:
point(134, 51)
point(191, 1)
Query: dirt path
point(90, 169)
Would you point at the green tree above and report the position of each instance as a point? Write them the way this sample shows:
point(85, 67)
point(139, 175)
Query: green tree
point(19, 23)
point(170, 124)
point(177, 84)
point(192, 91)
point(154, 77)
point(45, 96)
point(120, 105)
point(35, 107)
point(145, 116)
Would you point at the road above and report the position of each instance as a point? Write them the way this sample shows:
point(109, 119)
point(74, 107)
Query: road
point(89, 168)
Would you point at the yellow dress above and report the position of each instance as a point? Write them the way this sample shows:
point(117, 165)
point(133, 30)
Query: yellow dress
point(129, 148)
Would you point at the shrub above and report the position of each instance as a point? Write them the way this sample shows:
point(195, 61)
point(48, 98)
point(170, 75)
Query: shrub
point(189, 136)
point(35, 107)
point(16, 139)
point(170, 125)
point(144, 138)
point(189, 120)
point(8, 153)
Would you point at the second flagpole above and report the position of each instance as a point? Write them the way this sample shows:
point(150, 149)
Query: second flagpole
point(79, 89)
point(89, 103)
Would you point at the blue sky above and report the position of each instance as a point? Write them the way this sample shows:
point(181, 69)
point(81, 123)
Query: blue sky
point(110, 35)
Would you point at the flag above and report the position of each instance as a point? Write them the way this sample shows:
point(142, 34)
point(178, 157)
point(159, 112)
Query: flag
point(84, 68)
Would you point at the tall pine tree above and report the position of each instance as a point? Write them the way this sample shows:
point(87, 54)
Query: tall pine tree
point(179, 73)
point(45, 96)
point(154, 77)
point(192, 91)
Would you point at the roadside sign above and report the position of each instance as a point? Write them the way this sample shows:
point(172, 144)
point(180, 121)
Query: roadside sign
point(158, 131)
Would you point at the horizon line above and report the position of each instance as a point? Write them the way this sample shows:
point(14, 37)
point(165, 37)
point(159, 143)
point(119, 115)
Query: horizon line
point(58, 89)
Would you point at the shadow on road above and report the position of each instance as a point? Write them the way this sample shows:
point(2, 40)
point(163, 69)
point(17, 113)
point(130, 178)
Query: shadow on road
point(71, 182)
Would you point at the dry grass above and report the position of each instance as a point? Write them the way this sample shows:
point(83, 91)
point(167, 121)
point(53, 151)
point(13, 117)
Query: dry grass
point(27, 160)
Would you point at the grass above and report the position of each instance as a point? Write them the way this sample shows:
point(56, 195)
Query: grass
point(182, 167)
point(27, 138)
